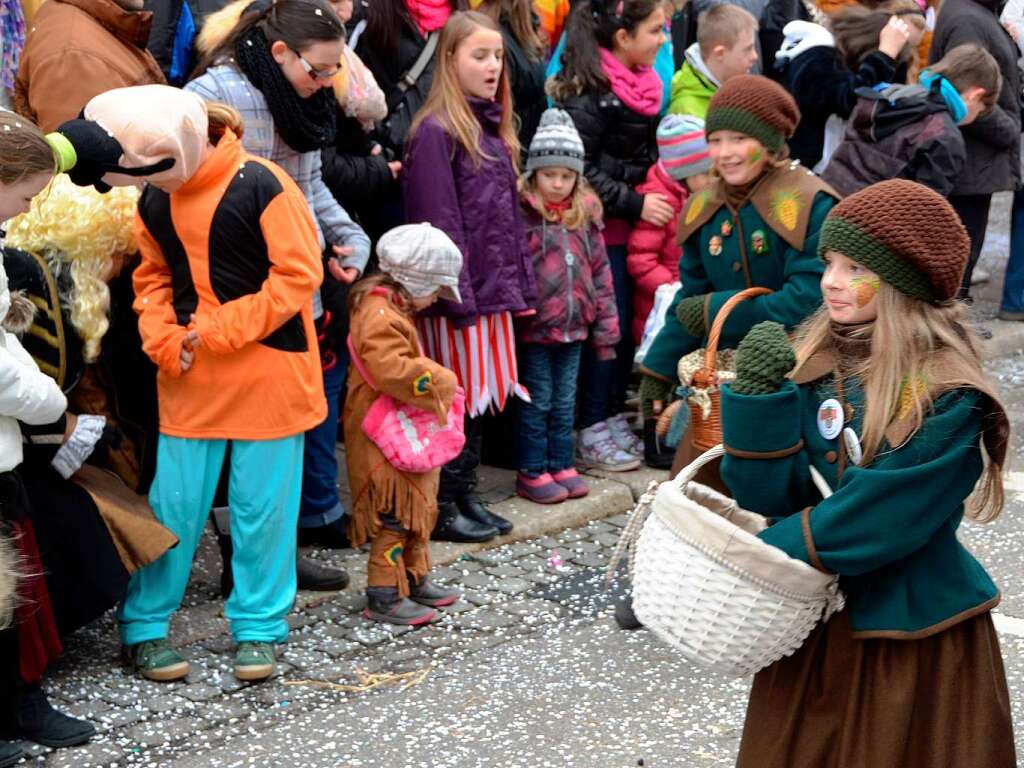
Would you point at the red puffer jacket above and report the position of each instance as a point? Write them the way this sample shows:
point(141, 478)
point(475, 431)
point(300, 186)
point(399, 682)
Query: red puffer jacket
point(654, 254)
point(575, 294)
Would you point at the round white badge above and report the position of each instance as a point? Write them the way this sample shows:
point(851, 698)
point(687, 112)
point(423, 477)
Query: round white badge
point(853, 450)
point(830, 419)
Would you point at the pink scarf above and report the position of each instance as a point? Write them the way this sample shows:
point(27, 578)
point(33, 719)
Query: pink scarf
point(429, 15)
point(640, 89)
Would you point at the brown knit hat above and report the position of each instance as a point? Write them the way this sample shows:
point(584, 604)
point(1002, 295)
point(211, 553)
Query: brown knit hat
point(755, 106)
point(906, 233)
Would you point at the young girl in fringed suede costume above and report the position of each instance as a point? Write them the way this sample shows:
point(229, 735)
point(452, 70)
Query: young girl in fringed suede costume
point(396, 510)
point(889, 402)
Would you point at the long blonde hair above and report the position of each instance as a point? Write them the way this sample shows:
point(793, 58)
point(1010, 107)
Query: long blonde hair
point(906, 336)
point(584, 205)
point(446, 102)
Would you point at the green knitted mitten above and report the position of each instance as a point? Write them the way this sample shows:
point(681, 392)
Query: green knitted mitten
point(690, 312)
point(763, 359)
point(652, 389)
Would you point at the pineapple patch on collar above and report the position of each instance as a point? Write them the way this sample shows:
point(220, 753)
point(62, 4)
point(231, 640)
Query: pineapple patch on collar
point(422, 384)
point(786, 206)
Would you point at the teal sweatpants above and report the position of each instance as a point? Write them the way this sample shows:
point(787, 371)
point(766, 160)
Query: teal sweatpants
point(264, 491)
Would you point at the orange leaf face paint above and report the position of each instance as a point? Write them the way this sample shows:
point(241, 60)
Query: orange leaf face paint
point(864, 289)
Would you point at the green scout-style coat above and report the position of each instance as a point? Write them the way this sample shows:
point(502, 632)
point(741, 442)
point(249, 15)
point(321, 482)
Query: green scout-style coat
point(889, 529)
point(771, 242)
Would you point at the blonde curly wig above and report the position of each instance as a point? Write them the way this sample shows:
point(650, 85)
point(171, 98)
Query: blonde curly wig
point(79, 230)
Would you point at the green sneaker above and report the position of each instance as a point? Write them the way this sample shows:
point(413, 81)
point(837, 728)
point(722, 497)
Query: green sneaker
point(156, 660)
point(254, 661)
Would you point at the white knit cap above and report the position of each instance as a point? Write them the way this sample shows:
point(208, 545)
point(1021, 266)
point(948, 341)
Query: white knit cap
point(423, 259)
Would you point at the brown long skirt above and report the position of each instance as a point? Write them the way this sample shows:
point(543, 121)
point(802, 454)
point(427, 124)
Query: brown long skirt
point(839, 702)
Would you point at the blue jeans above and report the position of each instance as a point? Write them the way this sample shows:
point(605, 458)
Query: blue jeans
point(320, 501)
point(264, 496)
point(606, 380)
point(1013, 286)
point(549, 373)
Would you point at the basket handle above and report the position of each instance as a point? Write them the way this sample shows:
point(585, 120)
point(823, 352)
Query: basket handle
point(711, 351)
point(687, 473)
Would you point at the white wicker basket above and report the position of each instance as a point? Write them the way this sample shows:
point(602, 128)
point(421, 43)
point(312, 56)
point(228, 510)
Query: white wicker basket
point(704, 582)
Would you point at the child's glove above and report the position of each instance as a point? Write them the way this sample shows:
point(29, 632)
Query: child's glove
point(652, 389)
point(763, 359)
point(690, 312)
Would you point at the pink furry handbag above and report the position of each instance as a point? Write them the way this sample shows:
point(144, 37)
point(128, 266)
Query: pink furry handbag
point(412, 439)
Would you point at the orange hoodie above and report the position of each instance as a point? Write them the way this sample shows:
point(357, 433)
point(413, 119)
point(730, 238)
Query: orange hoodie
point(236, 248)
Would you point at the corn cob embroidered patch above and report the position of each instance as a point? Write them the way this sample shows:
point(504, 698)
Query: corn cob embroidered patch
point(786, 207)
point(421, 384)
point(391, 554)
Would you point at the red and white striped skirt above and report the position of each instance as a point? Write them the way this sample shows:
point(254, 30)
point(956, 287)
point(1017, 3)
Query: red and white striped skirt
point(482, 355)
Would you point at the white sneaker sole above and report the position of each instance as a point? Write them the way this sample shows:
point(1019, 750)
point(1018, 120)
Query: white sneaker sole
point(628, 466)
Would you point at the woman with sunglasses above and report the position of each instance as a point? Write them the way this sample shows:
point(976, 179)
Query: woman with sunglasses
point(276, 68)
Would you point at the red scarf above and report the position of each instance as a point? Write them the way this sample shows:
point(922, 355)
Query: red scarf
point(429, 15)
point(639, 88)
point(558, 208)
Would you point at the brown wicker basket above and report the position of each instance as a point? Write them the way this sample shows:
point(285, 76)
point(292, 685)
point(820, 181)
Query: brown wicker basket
point(707, 433)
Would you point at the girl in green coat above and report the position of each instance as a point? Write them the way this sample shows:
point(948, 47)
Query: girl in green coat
point(889, 402)
point(756, 224)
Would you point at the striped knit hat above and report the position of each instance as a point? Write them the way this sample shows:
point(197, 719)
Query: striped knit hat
point(906, 233)
point(754, 106)
point(556, 144)
point(682, 148)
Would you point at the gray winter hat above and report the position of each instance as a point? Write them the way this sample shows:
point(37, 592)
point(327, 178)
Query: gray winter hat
point(422, 259)
point(556, 144)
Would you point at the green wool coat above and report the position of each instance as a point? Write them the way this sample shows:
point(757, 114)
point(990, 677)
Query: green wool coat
point(724, 253)
point(889, 529)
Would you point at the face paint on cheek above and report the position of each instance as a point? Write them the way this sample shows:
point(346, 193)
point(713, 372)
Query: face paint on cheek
point(754, 156)
point(864, 290)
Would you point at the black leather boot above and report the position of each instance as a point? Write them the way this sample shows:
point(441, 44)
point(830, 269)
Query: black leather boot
point(657, 455)
point(10, 753)
point(331, 536)
point(319, 578)
point(473, 508)
point(452, 525)
point(41, 723)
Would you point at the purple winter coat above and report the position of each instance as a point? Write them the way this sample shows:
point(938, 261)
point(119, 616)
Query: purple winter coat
point(478, 207)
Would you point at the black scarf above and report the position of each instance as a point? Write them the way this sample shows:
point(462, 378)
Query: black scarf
point(306, 125)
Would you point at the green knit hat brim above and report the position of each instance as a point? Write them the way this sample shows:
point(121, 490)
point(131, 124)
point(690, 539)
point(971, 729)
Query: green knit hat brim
point(747, 123)
point(842, 236)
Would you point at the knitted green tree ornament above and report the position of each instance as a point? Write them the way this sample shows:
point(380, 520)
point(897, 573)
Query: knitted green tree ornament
point(763, 359)
point(651, 389)
point(690, 312)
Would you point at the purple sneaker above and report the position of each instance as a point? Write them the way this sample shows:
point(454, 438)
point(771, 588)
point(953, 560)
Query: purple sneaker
point(541, 489)
point(572, 482)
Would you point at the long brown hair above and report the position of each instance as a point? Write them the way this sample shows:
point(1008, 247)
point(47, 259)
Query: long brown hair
point(857, 27)
point(24, 149)
point(907, 334)
point(446, 102)
point(518, 14)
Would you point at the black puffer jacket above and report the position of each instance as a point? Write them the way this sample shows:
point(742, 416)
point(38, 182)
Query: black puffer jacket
point(993, 141)
point(821, 85)
point(526, 77)
point(388, 65)
point(355, 177)
point(620, 147)
point(904, 132)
